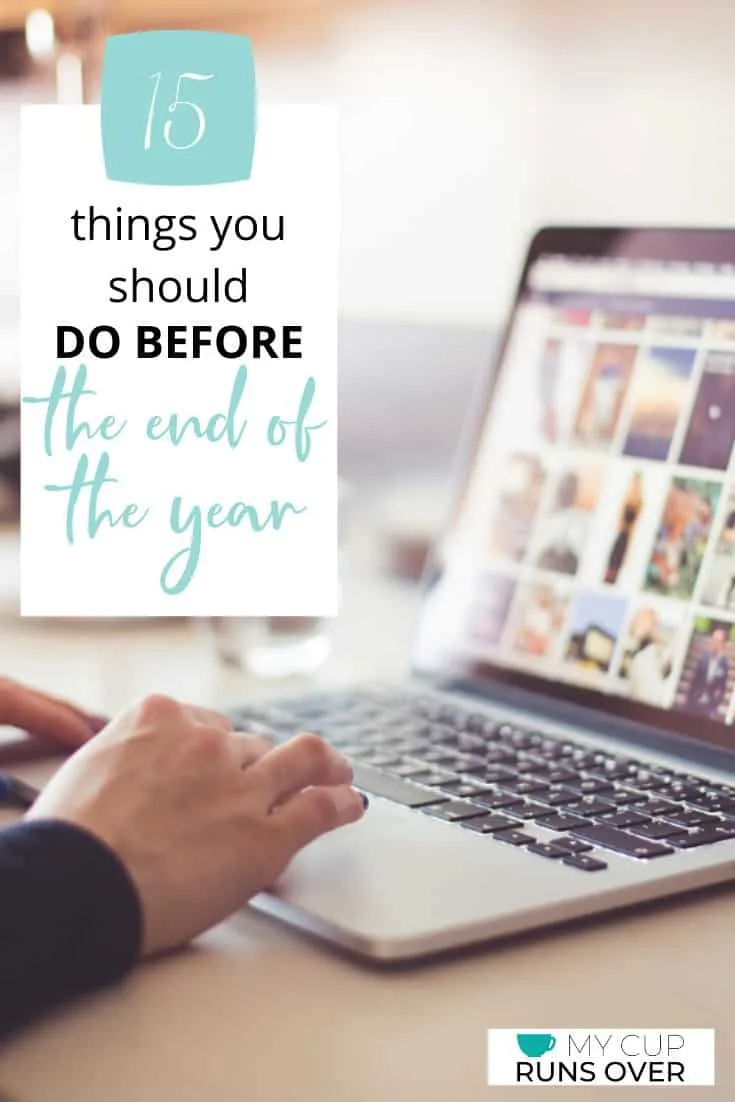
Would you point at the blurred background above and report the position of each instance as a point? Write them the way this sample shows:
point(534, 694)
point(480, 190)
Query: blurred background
point(465, 124)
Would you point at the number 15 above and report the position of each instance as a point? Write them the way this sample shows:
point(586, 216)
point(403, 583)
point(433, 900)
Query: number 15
point(178, 102)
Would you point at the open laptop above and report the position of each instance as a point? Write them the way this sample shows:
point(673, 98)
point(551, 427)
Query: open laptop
point(566, 743)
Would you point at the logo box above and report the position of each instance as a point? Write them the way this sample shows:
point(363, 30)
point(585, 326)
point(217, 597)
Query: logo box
point(634, 1057)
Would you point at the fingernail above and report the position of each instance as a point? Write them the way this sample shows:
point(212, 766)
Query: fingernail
point(96, 724)
point(365, 800)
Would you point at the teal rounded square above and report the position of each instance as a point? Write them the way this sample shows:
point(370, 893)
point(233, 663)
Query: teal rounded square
point(178, 107)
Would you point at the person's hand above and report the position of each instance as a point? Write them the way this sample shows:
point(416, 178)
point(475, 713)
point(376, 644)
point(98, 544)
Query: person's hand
point(202, 817)
point(45, 716)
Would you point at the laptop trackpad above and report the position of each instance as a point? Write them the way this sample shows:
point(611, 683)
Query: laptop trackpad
point(399, 876)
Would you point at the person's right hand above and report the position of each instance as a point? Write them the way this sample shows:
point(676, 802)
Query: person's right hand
point(201, 816)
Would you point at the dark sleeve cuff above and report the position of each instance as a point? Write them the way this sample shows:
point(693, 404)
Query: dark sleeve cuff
point(70, 917)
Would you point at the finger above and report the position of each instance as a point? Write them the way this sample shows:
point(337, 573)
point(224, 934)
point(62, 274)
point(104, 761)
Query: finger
point(208, 717)
point(45, 716)
point(96, 722)
point(315, 812)
point(248, 748)
point(302, 762)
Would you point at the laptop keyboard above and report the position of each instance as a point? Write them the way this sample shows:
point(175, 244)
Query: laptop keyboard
point(505, 781)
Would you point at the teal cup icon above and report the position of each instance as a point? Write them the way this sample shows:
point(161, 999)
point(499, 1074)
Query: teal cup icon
point(535, 1045)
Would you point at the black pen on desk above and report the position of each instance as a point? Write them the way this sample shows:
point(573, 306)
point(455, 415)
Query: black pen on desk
point(16, 793)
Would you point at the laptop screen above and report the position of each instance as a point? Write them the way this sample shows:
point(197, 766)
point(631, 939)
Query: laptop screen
point(592, 552)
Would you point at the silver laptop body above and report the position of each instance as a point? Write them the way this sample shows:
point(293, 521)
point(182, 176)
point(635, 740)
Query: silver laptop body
point(574, 665)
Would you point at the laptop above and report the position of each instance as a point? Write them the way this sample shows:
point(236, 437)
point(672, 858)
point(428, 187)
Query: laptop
point(565, 742)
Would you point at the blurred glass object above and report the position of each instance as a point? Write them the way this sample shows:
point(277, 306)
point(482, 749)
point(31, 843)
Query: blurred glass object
point(273, 647)
point(50, 55)
point(80, 33)
point(40, 34)
point(280, 646)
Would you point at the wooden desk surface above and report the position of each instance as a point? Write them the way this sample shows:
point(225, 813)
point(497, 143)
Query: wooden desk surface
point(254, 1012)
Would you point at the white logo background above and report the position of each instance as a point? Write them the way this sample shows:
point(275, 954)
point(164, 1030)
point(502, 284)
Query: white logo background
point(292, 572)
point(605, 1057)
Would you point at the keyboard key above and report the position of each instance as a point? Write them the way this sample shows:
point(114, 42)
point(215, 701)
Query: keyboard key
point(358, 751)
point(470, 744)
point(546, 849)
point(557, 796)
point(585, 862)
point(497, 799)
point(625, 819)
point(591, 785)
point(455, 811)
point(414, 730)
point(621, 842)
point(527, 810)
point(450, 713)
point(711, 801)
point(407, 769)
point(704, 836)
point(656, 829)
point(571, 845)
point(394, 788)
point(560, 776)
point(464, 789)
point(657, 807)
point(466, 762)
point(476, 723)
point(612, 772)
point(584, 759)
point(562, 822)
point(381, 761)
point(514, 837)
point(435, 778)
point(498, 755)
point(490, 730)
point(530, 766)
point(489, 824)
point(407, 747)
point(380, 740)
point(724, 789)
point(525, 787)
point(681, 790)
point(590, 805)
point(623, 797)
point(552, 749)
point(374, 737)
point(425, 776)
point(493, 774)
point(443, 737)
point(690, 818)
point(646, 781)
point(440, 756)
point(521, 740)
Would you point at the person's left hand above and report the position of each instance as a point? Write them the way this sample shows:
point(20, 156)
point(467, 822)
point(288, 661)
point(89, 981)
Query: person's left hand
point(45, 716)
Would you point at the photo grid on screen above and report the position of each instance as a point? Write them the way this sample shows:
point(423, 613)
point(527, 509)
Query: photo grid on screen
point(599, 521)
